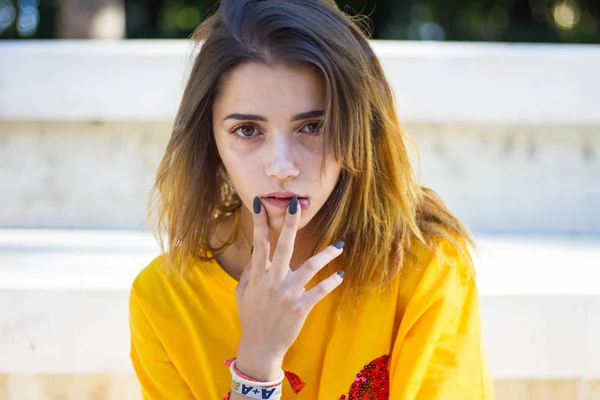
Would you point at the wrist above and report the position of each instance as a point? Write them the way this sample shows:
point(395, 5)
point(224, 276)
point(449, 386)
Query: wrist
point(260, 366)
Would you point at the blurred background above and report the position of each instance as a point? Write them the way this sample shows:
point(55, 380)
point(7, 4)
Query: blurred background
point(554, 21)
point(500, 96)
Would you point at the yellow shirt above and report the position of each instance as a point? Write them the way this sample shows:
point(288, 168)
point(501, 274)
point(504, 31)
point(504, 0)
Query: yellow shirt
point(418, 339)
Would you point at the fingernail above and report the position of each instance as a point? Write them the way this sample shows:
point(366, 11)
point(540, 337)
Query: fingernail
point(293, 206)
point(341, 274)
point(339, 245)
point(256, 205)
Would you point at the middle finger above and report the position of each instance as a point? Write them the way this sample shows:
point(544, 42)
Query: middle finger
point(280, 265)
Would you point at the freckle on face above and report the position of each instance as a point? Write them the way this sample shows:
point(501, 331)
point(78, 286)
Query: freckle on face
point(282, 156)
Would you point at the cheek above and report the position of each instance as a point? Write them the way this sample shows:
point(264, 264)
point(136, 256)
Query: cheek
point(240, 166)
point(237, 163)
point(327, 178)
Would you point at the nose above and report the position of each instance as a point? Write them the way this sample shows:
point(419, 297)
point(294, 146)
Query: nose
point(280, 163)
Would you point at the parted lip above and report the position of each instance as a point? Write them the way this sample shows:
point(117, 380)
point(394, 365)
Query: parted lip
point(282, 195)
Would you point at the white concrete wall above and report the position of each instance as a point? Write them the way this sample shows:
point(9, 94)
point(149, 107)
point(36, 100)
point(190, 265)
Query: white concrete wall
point(77, 175)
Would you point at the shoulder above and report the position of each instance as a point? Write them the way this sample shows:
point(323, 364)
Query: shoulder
point(157, 284)
point(152, 276)
point(438, 269)
point(160, 283)
point(159, 294)
point(149, 285)
point(448, 255)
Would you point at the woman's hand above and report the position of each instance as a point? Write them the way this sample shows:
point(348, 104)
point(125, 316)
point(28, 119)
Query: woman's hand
point(272, 302)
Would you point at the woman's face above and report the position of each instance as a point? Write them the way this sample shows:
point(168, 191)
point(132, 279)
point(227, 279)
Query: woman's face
point(267, 126)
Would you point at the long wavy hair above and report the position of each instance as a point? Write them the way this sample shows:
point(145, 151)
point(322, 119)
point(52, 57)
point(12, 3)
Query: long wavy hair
point(377, 207)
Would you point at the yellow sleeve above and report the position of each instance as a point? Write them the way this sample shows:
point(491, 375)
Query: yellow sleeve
point(156, 373)
point(439, 352)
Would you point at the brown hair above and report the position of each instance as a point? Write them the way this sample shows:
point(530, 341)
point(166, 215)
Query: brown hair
point(377, 207)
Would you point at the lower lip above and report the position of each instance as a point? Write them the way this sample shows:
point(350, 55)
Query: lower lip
point(285, 201)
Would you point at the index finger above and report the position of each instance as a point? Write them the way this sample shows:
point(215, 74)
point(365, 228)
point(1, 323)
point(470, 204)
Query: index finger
point(262, 247)
point(243, 282)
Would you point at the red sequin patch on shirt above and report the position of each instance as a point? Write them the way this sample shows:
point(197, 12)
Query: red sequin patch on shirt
point(372, 382)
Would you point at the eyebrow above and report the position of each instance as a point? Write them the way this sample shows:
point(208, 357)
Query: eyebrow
point(297, 117)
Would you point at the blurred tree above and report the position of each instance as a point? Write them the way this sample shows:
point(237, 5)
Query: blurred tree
point(165, 19)
point(91, 19)
point(576, 21)
point(568, 21)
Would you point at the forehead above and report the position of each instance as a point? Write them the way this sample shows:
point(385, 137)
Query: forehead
point(253, 86)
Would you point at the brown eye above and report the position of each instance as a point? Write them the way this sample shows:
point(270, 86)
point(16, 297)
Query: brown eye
point(246, 130)
point(313, 128)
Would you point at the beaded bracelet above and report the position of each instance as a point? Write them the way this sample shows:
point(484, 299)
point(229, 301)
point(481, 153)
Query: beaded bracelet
point(254, 389)
point(246, 379)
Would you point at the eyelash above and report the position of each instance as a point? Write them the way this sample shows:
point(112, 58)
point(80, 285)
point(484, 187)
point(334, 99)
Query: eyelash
point(248, 138)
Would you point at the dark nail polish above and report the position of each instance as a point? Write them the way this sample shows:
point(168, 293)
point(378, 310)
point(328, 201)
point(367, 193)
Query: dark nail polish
point(293, 206)
point(339, 245)
point(341, 274)
point(256, 205)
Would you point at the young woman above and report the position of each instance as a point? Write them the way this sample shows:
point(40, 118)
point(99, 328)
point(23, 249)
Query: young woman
point(298, 239)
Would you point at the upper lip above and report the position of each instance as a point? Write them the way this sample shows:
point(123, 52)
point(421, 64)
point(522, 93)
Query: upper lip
point(283, 194)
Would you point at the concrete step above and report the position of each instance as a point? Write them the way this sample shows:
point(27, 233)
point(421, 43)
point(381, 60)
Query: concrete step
point(63, 302)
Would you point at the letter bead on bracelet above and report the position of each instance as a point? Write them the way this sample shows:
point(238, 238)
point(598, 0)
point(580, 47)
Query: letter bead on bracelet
point(255, 389)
